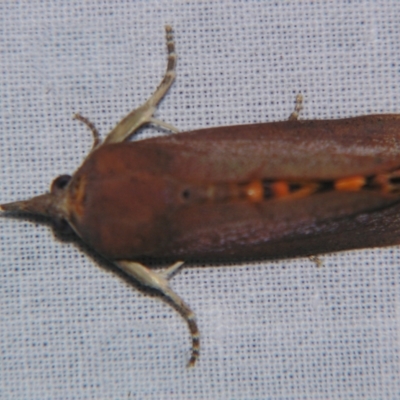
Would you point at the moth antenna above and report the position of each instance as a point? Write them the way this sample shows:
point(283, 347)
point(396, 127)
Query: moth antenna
point(90, 125)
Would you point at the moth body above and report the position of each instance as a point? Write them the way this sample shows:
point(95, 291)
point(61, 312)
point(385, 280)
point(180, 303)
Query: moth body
point(182, 197)
point(269, 190)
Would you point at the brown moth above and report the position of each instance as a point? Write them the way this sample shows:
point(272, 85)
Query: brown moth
point(269, 190)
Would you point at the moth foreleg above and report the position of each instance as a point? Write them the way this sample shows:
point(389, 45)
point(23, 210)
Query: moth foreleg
point(159, 282)
point(144, 114)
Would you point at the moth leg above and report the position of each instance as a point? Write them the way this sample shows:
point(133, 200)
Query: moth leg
point(294, 116)
point(90, 125)
point(169, 272)
point(159, 282)
point(318, 262)
point(163, 124)
point(144, 114)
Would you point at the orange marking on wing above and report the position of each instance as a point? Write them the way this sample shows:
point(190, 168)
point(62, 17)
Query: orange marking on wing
point(304, 191)
point(255, 191)
point(280, 189)
point(352, 184)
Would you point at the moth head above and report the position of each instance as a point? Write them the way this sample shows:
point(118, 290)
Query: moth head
point(51, 204)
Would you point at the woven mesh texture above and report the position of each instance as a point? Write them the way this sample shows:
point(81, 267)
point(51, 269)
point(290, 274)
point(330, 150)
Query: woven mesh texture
point(70, 328)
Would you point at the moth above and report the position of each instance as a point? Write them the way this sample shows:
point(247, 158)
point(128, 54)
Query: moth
point(260, 191)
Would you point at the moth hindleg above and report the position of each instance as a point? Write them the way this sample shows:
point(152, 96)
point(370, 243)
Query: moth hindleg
point(294, 116)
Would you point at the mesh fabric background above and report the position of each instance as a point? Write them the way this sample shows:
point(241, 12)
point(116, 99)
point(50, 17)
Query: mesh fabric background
point(70, 329)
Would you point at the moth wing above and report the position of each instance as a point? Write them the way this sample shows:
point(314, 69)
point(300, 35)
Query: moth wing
point(293, 150)
point(283, 228)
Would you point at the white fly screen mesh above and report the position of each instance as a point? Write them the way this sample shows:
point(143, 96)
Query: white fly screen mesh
point(72, 329)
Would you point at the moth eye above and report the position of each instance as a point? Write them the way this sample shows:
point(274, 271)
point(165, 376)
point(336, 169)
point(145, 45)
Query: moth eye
point(59, 183)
